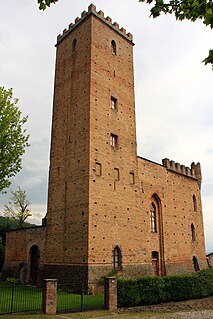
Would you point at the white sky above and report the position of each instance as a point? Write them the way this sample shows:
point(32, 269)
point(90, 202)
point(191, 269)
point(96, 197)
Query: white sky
point(174, 90)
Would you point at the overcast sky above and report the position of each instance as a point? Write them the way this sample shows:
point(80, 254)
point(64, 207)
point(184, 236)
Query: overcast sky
point(173, 88)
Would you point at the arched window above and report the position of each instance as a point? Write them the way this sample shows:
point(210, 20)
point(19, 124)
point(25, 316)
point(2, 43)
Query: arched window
point(195, 264)
point(117, 258)
point(194, 203)
point(155, 263)
point(193, 232)
point(74, 43)
point(153, 222)
point(113, 47)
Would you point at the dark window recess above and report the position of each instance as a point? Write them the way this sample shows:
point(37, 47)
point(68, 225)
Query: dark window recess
point(132, 178)
point(113, 103)
point(113, 47)
point(113, 140)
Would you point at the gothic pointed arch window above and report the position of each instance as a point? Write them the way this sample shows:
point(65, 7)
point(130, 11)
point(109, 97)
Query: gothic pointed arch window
point(153, 218)
point(195, 264)
point(74, 44)
point(193, 233)
point(117, 258)
point(113, 47)
point(194, 203)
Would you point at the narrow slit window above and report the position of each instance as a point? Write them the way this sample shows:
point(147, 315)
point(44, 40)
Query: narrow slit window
point(193, 232)
point(113, 103)
point(195, 203)
point(74, 43)
point(153, 222)
point(116, 173)
point(132, 178)
point(113, 47)
point(113, 140)
point(117, 262)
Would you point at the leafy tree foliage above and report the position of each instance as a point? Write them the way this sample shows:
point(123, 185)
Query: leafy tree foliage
point(185, 9)
point(13, 138)
point(45, 3)
point(18, 207)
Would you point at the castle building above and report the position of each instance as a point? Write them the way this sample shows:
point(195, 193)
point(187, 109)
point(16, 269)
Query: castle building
point(108, 209)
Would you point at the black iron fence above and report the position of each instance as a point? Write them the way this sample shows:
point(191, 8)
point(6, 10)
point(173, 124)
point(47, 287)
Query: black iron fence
point(80, 296)
point(70, 297)
point(20, 298)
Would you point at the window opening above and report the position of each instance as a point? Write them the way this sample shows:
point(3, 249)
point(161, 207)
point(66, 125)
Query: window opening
point(117, 262)
point(34, 263)
point(132, 178)
point(155, 263)
point(74, 43)
point(153, 223)
point(194, 203)
point(196, 264)
point(193, 232)
point(113, 103)
point(113, 140)
point(113, 47)
point(116, 173)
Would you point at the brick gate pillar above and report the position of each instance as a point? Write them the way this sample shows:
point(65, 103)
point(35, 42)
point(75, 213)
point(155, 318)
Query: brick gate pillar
point(110, 293)
point(49, 296)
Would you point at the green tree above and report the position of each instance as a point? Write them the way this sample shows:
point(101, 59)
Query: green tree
point(13, 138)
point(18, 207)
point(45, 3)
point(185, 9)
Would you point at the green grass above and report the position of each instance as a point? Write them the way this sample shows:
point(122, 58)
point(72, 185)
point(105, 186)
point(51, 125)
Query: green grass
point(71, 301)
point(29, 299)
point(18, 298)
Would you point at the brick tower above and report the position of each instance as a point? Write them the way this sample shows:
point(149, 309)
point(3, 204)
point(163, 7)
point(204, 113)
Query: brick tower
point(108, 209)
point(93, 162)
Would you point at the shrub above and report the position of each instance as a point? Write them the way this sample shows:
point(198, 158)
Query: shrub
point(128, 293)
point(147, 290)
point(13, 281)
point(151, 289)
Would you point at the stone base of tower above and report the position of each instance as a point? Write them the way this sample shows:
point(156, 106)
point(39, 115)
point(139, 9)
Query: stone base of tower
point(186, 267)
point(65, 273)
point(128, 271)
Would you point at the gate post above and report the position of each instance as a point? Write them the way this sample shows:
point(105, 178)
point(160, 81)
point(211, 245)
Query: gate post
point(49, 296)
point(110, 293)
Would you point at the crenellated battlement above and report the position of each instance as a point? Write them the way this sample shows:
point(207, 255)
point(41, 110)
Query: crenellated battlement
point(194, 171)
point(100, 15)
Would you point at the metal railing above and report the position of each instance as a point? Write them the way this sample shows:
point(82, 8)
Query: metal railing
point(80, 296)
point(20, 298)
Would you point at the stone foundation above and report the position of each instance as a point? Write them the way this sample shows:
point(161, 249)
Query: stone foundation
point(65, 273)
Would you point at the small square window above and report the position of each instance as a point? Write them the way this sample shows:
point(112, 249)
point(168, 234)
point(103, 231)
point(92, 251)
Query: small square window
point(113, 103)
point(113, 140)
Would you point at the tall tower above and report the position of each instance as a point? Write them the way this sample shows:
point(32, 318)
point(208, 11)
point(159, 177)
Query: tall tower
point(93, 162)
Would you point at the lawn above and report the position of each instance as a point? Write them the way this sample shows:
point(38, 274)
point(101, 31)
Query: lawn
point(29, 299)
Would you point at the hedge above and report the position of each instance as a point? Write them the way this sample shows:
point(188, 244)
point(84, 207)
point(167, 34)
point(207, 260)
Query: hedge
point(148, 290)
